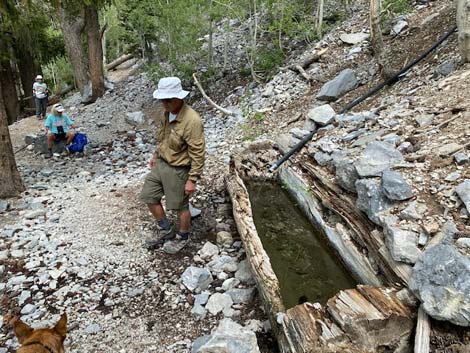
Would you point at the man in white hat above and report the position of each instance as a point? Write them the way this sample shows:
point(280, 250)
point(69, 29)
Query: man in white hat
point(40, 94)
point(176, 165)
point(58, 127)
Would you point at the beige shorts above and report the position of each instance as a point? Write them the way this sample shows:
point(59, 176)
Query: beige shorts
point(167, 180)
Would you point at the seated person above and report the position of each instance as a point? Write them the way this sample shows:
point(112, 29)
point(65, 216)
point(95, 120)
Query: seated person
point(58, 127)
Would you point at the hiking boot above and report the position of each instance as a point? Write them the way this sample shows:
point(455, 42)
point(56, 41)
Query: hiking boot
point(160, 235)
point(173, 246)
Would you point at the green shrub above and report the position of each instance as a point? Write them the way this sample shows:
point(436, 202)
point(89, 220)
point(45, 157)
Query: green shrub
point(396, 6)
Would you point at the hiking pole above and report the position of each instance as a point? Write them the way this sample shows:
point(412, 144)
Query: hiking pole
point(388, 82)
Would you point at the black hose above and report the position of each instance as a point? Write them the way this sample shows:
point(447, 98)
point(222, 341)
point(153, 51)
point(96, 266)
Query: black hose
point(388, 82)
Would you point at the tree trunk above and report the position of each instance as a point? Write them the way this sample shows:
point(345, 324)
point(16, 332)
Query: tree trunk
point(28, 68)
point(10, 180)
point(95, 52)
point(72, 28)
point(9, 93)
point(320, 17)
point(463, 24)
point(377, 40)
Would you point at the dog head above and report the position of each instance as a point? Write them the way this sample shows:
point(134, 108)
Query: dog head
point(44, 340)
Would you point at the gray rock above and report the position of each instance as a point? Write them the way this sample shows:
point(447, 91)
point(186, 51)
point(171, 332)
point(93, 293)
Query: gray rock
point(424, 120)
point(199, 312)
point(135, 118)
point(448, 149)
point(224, 239)
point(230, 283)
point(346, 174)
point(4, 205)
point(201, 299)
point(341, 84)
point(395, 187)
point(195, 212)
point(322, 115)
point(93, 329)
point(34, 214)
point(241, 295)
point(371, 199)
point(28, 309)
point(223, 263)
point(413, 211)
point(398, 27)
point(377, 157)
point(199, 342)
point(219, 302)
point(299, 133)
point(463, 190)
point(196, 277)
point(30, 139)
point(461, 158)
point(208, 251)
point(453, 176)
point(353, 135)
point(230, 337)
point(309, 125)
point(401, 243)
point(354, 38)
point(322, 158)
point(441, 280)
point(444, 69)
point(244, 273)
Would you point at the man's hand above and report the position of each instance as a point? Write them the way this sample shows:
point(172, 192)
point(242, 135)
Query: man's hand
point(189, 187)
point(152, 162)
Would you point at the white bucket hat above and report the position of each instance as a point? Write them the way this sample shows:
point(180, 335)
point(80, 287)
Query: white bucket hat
point(38, 77)
point(58, 108)
point(169, 87)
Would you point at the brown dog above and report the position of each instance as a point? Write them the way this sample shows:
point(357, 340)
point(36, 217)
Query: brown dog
point(44, 340)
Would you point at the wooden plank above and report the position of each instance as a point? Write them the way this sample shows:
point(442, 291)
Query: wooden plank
point(423, 332)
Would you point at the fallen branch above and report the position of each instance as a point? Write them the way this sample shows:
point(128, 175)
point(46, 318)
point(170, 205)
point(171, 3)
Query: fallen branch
point(309, 61)
point(119, 61)
point(423, 331)
point(211, 102)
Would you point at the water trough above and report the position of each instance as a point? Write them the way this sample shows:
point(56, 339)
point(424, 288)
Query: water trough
point(358, 319)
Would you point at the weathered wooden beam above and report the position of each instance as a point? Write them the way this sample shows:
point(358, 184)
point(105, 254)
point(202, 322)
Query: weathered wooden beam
point(266, 280)
point(423, 332)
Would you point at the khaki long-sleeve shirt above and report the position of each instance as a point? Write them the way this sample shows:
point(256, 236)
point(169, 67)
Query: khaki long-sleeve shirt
point(181, 142)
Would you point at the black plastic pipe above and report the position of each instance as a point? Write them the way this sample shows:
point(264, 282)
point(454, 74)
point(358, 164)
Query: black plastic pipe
point(388, 82)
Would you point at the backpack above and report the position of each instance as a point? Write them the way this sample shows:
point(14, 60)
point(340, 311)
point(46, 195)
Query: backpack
point(78, 143)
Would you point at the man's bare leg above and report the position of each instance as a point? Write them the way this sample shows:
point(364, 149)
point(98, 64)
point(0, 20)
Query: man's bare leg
point(156, 209)
point(185, 221)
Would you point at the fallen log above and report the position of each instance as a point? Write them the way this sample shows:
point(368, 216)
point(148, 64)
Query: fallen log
point(122, 59)
point(300, 67)
point(266, 280)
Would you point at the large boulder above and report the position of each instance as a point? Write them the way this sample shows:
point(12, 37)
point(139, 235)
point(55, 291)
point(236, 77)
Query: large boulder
point(441, 280)
point(230, 337)
point(341, 84)
point(377, 157)
point(371, 199)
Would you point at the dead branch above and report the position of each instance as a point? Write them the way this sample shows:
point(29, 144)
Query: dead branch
point(119, 61)
point(210, 101)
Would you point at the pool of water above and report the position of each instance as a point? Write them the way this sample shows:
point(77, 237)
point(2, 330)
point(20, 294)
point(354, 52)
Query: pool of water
point(306, 267)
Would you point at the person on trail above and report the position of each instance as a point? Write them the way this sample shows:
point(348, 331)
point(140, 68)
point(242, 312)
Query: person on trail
point(176, 165)
point(58, 127)
point(40, 93)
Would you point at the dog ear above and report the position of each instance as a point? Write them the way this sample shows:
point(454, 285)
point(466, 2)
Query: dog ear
point(61, 326)
point(22, 331)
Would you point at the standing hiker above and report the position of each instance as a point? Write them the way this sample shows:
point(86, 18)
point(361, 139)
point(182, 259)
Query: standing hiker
point(176, 165)
point(40, 94)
